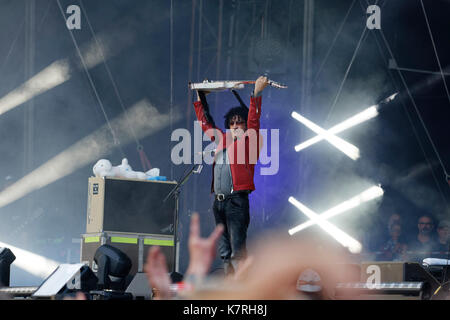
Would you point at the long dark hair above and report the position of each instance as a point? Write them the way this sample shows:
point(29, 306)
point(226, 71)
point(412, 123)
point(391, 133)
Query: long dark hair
point(236, 111)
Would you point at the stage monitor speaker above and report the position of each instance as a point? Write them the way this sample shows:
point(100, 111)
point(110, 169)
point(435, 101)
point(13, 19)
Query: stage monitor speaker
point(134, 245)
point(139, 287)
point(394, 271)
point(397, 272)
point(65, 279)
point(130, 206)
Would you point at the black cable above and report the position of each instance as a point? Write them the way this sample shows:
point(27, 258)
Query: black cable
point(205, 105)
point(445, 273)
point(238, 97)
point(446, 263)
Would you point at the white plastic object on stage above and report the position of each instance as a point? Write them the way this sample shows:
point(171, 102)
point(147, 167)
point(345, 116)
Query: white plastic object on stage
point(222, 85)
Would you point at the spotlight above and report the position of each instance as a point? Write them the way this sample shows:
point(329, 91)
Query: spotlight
point(112, 262)
point(353, 245)
point(6, 258)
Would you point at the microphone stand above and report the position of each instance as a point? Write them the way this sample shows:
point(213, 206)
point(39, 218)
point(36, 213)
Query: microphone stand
point(176, 192)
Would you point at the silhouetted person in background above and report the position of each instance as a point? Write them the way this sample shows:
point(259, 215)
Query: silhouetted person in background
point(376, 241)
point(422, 246)
point(395, 218)
point(441, 248)
point(394, 249)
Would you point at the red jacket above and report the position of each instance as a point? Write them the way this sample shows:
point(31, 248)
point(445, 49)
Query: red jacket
point(242, 170)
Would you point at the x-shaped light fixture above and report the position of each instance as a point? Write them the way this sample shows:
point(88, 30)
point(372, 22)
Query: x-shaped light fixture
point(353, 245)
point(349, 149)
point(365, 196)
point(346, 147)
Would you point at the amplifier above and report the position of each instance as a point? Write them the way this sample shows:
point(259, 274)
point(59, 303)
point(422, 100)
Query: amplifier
point(130, 206)
point(396, 271)
point(134, 245)
point(383, 291)
point(399, 272)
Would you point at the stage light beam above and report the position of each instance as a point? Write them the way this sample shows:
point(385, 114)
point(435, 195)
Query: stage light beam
point(52, 76)
point(60, 71)
point(340, 236)
point(32, 263)
point(144, 118)
point(347, 148)
point(365, 196)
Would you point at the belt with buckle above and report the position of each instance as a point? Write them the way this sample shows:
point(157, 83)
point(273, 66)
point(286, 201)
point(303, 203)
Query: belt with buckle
point(220, 197)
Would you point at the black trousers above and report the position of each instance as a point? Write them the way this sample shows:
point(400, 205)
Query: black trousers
point(234, 214)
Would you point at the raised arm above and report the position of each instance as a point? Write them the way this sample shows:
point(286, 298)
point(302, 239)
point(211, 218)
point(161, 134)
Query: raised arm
point(254, 112)
point(205, 118)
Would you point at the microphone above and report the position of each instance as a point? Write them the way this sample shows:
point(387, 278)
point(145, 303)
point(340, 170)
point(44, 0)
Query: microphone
point(208, 153)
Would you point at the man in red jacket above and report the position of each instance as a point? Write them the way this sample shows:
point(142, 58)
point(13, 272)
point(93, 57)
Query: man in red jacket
point(233, 169)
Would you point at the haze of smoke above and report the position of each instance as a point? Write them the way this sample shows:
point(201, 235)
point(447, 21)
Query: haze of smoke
point(145, 120)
